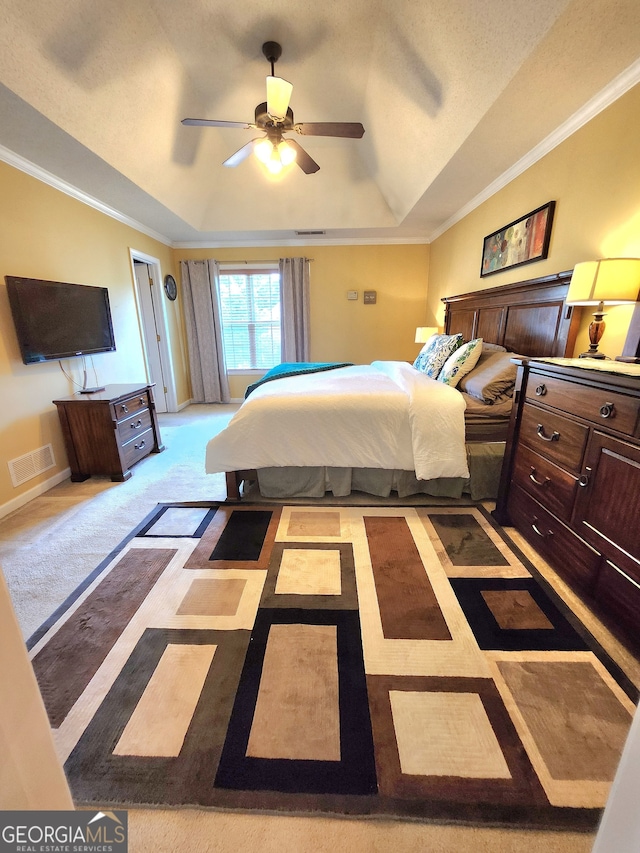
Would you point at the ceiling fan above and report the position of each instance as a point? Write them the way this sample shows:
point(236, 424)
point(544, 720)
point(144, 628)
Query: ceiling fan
point(275, 118)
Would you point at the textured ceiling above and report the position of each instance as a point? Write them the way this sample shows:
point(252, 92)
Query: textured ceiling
point(451, 94)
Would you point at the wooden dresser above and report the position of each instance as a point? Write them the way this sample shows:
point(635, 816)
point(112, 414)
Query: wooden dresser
point(109, 431)
point(571, 478)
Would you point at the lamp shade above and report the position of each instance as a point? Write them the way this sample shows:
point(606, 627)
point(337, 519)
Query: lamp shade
point(612, 281)
point(278, 96)
point(423, 333)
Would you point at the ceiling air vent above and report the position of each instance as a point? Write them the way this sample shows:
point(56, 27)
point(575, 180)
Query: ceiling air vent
point(310, 233)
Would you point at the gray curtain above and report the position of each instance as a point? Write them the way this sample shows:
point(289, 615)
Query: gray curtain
point(201, 301)
point(294, 288)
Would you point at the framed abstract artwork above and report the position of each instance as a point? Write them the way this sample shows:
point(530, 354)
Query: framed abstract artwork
point(520, 242)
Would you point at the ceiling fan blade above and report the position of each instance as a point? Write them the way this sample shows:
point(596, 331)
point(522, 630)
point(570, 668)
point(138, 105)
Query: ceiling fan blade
point(306, 163)
point(278, 97)
point(210, 122)
point(348, 129)
point(241, 154)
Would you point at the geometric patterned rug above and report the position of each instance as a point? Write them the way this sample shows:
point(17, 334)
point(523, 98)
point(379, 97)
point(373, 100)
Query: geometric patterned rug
point(405, 662)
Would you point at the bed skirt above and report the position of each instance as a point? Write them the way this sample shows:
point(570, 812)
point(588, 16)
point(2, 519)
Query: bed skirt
point(485, 464)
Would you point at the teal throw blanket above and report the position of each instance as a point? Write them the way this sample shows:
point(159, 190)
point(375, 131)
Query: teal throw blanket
point(295, 368)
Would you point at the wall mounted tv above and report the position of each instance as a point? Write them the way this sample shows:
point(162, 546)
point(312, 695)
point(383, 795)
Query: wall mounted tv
point(56, 320)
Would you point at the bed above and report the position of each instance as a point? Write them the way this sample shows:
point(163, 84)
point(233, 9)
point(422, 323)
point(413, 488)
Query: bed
point(385, 427)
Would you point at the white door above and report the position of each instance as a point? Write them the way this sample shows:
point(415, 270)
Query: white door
point(151, 334)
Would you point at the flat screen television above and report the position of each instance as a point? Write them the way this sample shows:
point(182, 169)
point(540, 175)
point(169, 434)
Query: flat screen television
point(55, 320)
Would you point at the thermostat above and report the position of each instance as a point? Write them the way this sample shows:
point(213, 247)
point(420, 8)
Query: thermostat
point(352, 294)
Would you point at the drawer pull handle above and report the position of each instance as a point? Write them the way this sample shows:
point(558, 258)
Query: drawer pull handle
point(540, 533)
point(541, 389)
point(142, 401)
point(583, 480)
point(553, 437)
point(607, 410)
point(139, 446)
point(532, 477)
point(137, 424)
point(124, 408)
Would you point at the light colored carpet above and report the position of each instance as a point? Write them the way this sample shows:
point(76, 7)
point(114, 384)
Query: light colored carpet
point(50, 545)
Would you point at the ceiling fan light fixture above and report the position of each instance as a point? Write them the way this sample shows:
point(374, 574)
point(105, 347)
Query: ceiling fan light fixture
point(263, 150)
point(278, 97)
point(287, 153)
point(274, 163)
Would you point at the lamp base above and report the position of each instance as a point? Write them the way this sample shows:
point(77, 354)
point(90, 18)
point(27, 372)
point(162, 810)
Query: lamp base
point(592, 355)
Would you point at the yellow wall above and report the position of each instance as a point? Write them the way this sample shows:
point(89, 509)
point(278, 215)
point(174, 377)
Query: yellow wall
point(594, 176)
point(46, 234)
point(344, 330)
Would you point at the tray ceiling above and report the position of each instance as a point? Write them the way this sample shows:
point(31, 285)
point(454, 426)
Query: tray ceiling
point(451, 94)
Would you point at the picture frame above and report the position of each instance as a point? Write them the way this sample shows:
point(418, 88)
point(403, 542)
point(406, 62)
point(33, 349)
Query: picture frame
point(522, 241)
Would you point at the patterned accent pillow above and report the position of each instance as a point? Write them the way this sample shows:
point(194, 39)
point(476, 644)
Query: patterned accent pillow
point(435, 352)
point(461, 362)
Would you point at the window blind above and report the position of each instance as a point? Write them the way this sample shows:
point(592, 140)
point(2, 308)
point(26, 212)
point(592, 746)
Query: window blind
point(250, 313)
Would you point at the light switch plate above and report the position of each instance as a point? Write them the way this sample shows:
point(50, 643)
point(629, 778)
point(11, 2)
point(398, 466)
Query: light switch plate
point(370, 297)
point(352, 294)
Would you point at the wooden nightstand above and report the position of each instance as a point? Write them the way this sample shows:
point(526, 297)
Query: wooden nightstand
point(570, 480)
point(109, 431)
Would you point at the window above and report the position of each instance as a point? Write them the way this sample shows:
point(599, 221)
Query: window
point(250, 308)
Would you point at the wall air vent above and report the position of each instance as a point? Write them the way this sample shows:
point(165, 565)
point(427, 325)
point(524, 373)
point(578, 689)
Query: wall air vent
point(310, 233)
point(24, 468)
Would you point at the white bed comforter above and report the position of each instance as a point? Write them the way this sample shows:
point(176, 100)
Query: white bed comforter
point(382, 415)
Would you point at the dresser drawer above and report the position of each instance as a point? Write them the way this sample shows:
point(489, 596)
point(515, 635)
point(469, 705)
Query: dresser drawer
point(557, 438)
point(137, 448)
point(572, 558)
point(133, 425)
point(554, 487)
point(606, 408)
point(619, 594)
point(133, 404)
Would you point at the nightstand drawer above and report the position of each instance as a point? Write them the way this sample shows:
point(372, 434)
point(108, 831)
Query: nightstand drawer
point(604, 408)
point(554, 487)
point(557, 438)
point(134, 425)
point(572, 558)
point(125, 408)
point(137, 448)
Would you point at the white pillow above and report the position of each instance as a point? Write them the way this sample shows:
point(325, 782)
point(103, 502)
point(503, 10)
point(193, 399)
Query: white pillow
point(460, 362)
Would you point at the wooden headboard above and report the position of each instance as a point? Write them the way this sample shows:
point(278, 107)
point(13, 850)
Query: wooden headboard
point(528, 317)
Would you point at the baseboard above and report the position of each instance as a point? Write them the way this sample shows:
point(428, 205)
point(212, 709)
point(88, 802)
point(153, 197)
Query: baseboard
point(34, 492)
point(193, 402)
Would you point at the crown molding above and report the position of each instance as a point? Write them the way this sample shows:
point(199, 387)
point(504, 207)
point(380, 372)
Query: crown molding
point(29, 168)
point(329, 241)
point(618, 87)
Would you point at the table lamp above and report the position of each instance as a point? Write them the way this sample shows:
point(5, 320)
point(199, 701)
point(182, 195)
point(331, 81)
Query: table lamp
point(423, 333)
point(611, 281)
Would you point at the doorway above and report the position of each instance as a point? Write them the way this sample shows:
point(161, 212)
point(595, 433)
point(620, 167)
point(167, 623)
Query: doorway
point(154, 330)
